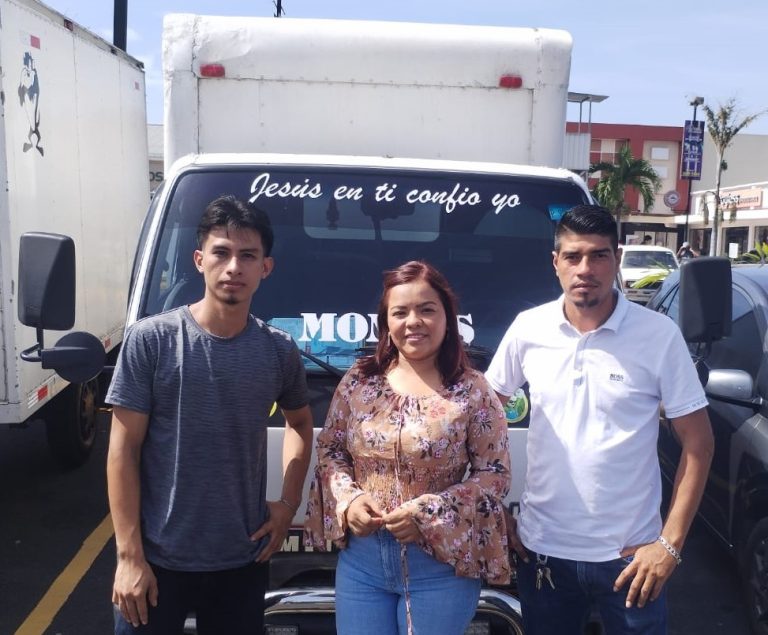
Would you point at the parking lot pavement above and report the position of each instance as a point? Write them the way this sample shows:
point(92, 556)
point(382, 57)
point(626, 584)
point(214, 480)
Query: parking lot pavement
point(704, 595)
point(46, 515)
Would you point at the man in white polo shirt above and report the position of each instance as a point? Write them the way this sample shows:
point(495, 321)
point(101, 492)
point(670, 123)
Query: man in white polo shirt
point(598, 367)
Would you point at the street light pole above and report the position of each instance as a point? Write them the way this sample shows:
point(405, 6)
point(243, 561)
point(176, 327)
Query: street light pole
point(696, 102)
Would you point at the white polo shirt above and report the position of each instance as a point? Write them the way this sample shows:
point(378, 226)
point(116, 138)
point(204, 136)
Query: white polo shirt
point(593, 484)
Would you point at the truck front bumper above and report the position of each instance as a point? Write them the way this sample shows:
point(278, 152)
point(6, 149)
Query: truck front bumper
point(310, 611)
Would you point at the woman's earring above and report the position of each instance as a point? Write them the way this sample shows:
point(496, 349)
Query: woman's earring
point(389, 339)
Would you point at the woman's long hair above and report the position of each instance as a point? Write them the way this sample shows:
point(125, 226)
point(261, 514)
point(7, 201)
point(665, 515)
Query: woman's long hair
point(451, 358)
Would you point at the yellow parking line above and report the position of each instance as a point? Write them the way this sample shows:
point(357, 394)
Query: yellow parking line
point(42, 615)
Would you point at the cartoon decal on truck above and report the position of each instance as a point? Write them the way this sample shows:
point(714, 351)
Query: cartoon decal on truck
point(29, 99)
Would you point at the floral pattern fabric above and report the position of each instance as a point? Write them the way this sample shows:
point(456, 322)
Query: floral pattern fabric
point(445, 456)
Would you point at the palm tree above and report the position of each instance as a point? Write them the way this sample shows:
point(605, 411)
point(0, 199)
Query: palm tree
point(722, 127)
point(615, 177)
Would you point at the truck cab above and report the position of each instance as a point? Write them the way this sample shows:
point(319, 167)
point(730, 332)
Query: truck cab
point(340, 222)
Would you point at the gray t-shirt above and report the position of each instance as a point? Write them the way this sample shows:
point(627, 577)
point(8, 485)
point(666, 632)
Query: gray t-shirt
point(203, 461)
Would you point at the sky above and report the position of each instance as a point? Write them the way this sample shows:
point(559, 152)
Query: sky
point(651, 58)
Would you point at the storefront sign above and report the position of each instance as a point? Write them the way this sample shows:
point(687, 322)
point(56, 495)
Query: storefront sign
point(751, 198)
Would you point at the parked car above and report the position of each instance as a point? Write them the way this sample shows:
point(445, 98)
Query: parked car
point(735, 503)
point(645, 262)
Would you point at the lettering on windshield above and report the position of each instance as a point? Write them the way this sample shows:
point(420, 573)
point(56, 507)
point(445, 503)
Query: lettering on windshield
point(458, 195)
point(353, 328)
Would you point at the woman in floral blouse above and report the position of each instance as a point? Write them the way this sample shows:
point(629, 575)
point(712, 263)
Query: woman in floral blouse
point(417, 529)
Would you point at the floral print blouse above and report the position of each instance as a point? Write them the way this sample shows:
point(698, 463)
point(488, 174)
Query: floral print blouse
point(414, 450)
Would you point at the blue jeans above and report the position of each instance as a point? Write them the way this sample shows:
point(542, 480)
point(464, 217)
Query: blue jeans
point(370, 590)
point(229, 601)
point(580, 587)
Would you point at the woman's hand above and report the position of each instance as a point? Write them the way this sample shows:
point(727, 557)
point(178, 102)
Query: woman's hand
point(364, 516)
point(399, 522)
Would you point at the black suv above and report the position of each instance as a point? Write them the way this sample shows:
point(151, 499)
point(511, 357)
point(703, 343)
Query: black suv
point(735, 503)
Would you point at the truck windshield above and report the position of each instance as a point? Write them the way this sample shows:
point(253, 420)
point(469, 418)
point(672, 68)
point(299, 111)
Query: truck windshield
point(649, 260)
point(337, 230)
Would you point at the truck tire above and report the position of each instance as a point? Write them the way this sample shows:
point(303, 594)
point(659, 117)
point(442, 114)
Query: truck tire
point(754, 574)
point(70, 423)
point(515, 627)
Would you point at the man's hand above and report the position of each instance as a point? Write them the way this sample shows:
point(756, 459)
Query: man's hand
point(653, 564)
point(276, 527)
point(399, 522)
point(135, 583)
point(364, 516)
point(513, 538)
point(649, 571)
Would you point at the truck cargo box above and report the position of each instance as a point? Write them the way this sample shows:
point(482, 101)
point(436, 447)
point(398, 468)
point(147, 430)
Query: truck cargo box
point(468, 93)
point(73, 160)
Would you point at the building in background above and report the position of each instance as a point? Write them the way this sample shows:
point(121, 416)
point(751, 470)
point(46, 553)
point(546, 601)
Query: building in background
point(743, 192)
point(744, 185)
point(744, 211)
point(661, 147)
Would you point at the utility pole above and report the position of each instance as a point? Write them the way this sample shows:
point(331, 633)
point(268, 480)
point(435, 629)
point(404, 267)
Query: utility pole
point(278, 8)
point(120, 24)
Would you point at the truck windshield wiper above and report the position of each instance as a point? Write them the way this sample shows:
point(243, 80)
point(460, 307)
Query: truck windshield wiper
point(329, 368)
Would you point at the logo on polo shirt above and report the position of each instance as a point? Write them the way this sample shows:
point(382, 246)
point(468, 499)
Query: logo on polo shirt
point(516, 408)
point(616, 377)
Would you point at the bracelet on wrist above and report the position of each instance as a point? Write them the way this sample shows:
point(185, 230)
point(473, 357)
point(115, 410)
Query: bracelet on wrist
point(670, 549)
point(293, 508)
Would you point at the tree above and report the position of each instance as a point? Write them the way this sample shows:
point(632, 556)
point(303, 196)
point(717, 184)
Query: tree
point(615, 177)
point(723, 127)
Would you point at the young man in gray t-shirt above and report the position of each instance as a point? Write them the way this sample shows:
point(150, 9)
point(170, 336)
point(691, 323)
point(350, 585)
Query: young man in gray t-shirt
point(186, 469)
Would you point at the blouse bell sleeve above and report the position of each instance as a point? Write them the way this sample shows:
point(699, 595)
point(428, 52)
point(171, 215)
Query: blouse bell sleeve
point(333, 486)
point(464, 525)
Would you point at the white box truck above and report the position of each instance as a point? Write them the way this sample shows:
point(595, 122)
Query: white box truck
point(73, 160)
point(368, 144)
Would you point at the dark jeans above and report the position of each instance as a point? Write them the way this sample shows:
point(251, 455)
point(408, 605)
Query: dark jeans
point(580, 586)
point(230, 601)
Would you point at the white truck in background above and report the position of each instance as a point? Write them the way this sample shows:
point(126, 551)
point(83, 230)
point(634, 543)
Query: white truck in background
point(368, 144)
point(73, 160)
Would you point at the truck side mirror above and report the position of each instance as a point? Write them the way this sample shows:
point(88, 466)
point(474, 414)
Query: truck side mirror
point(705, 299)
point(47, 301)
point(47, 281)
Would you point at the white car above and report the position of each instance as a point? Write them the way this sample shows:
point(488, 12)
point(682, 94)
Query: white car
point(642, 261)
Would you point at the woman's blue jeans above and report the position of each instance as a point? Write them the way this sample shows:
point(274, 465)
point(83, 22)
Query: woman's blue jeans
point(580, 587)
point(370, 590)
